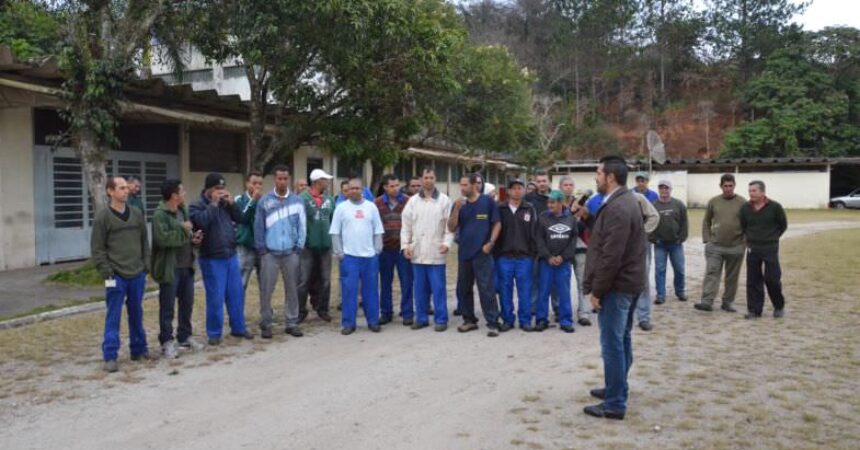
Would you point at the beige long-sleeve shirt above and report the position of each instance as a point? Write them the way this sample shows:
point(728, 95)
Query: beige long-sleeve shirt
point(425, 227)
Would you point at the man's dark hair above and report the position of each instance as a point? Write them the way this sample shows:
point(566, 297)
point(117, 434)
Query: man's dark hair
point(131, 178)
point(758, 183)
point(344, 183)
point(387, 178)
point(428, 169)
point(475, 178)
point(110, 183)
point(541, 173)
point(727, 177)
point(360, 181)
point(415, 177)
point(169, 187)
point(280, 168)
point(616, 166)
point(254, 173)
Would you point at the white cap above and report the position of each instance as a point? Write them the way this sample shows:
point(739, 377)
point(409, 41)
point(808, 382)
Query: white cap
point(667, 183)
point(489, 188)
point(317, 174)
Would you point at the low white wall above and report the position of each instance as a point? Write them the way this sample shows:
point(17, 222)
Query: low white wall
point(801, 190)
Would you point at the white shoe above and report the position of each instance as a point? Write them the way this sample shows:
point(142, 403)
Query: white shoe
point(168, 349)
point(192, 345)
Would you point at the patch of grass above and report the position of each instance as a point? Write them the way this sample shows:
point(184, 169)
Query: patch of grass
point(85, 275)
point(53, 307)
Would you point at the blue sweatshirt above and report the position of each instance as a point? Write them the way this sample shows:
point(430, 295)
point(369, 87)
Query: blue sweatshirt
point(280, 224)
point(217, 220)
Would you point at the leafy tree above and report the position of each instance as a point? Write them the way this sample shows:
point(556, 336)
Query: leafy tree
point(798, 110)
point(29, 29)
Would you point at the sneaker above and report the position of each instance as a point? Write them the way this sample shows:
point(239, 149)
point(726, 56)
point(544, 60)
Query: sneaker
point(111, 366)
point(294, 332)
point(660, 300)
point(527, 327)
point(408, 322)
point(505, 327)
point(191, 344)
point(246, 335)
point(567, 328)
point(728, 308)
point(440, 327)
point(585, 322)
point(146, 356)
point(266, 333)
point(703, 307)
point(168, 350)
point(598, 393)
point(541, 326)
point(752, 316)
point(384, 320)
point(467, 327)
point(646, 326)
point(374, 328)
point(600, 410)
point(682, 298)
point(324, 316)
point(418, 326)
point(493, 333)
point(779, 313)
point(214, 341)
point(347, 331)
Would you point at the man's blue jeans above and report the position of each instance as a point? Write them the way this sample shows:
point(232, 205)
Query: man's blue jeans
point(354, 269)
point(555, 278)
point(430, 278)
point(517, 270)
point(130, 291)
point(222, 278)
point(388, 261)
point(616, 320)
point(674, 252)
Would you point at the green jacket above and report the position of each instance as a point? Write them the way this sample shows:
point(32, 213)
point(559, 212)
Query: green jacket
point(319, 221)
point(119, 247)
point(168, 236)
point(245, 229)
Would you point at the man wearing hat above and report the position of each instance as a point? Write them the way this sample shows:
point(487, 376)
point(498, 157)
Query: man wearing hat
point(642, 180)
point(556, 240)
point(216, 214)
point(316, 257)
point(669, 239)
point(515, 252)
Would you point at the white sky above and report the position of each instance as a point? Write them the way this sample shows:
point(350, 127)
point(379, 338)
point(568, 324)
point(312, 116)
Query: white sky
point(823, 13)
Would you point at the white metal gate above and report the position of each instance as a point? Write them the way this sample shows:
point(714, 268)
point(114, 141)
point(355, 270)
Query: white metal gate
point(64, 207)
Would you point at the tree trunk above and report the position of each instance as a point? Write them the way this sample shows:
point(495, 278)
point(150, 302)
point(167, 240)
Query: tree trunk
point(578, 116)
point(93, 157)
point(257, 108)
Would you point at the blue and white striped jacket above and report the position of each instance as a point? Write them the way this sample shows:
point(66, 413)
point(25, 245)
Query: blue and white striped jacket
point(280, 225)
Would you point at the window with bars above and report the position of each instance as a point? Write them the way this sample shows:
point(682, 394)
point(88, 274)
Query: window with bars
point(442, 171)
point(68, 193)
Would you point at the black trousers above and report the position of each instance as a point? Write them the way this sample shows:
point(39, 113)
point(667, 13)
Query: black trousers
point(757, 279)
point(182, 289)
point(478, 269)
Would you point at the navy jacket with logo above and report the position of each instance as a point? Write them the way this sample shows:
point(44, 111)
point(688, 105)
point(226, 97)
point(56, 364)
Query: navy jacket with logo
point(556, 235)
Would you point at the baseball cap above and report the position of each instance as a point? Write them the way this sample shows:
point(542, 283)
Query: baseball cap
point(643, 175)
point(556, 195)
point(516, 181)
point(317, 174)
point(666, 183)
point(214, 179)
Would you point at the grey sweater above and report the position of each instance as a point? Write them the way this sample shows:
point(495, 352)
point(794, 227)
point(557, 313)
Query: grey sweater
point(673, 226)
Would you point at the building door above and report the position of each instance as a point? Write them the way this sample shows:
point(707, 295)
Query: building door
point(313, 163)
point(64, 209)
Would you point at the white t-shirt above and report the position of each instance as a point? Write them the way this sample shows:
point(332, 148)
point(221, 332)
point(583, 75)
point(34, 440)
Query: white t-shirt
point(356, 225)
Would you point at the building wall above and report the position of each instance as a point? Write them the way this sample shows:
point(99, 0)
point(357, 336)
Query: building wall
point(801, 189)
point(193, 181)
point(17, 209)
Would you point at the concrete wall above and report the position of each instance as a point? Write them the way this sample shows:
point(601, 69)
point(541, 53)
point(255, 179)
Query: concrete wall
point(17, 209)
point(193, 181)
point(802, 190)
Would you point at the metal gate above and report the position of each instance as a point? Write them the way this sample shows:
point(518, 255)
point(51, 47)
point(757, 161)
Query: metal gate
point(64, 209)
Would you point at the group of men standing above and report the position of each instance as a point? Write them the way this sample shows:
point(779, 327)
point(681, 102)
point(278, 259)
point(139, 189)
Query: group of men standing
point(535, 243)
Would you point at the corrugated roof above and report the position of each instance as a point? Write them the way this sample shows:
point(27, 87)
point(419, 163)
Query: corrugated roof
point(715, 161)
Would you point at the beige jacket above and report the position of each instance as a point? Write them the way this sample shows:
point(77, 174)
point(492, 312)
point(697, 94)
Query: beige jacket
point(425, 227)
point(649, 213)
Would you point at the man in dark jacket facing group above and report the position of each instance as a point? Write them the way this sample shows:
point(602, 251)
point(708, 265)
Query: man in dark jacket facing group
point(216, 214)
point(615, 276)
point(556, 237)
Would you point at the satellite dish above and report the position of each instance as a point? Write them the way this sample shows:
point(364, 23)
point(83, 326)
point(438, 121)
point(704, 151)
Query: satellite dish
point(656, 149)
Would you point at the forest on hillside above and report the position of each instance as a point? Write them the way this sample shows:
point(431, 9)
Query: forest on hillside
point(731, 78)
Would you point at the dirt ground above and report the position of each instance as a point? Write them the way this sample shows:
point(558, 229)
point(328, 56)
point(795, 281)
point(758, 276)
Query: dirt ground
point(707, 381)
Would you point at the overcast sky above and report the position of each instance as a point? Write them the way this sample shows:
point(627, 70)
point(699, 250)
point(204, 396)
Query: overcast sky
point(822, 13)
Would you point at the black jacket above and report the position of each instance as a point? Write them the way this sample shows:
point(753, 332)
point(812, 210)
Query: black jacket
point(616, 251)
point(217, 220)
point(556, 236)
point(517, 237)
point(763, 228)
